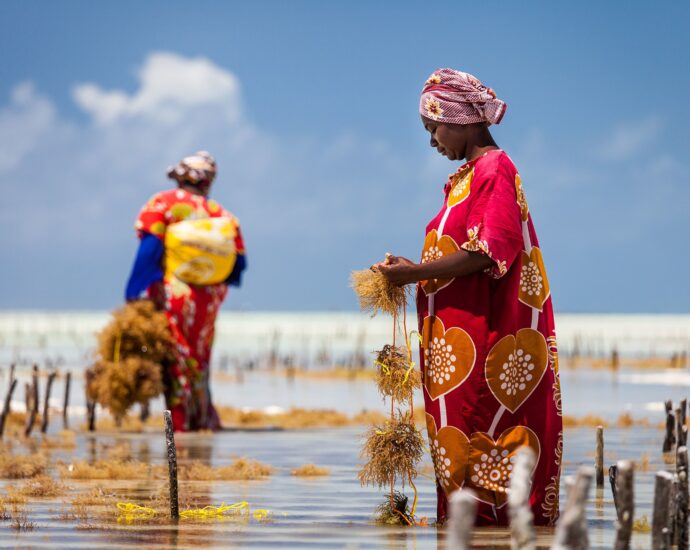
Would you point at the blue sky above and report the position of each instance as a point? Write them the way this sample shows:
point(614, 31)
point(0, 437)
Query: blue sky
point(311, 110)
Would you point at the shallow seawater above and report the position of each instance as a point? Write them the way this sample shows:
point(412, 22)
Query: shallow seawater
point(333, 511)
point(325, 512)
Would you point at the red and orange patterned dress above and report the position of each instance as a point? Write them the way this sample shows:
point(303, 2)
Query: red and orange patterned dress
point(191, 311)
point(489, 357)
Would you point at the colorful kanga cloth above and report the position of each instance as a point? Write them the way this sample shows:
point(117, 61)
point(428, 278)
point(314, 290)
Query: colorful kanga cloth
point(488, 354)
point(191, 308)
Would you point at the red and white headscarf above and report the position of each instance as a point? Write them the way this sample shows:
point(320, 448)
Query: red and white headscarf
point(194, 169)
point(455, 97)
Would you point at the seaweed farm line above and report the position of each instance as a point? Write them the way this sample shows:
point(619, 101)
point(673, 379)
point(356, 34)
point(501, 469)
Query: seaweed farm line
point(299, 484)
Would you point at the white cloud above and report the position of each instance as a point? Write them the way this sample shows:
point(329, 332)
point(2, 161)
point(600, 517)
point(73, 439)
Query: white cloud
point(22, 123)
point(169, 85)
point(629, 140)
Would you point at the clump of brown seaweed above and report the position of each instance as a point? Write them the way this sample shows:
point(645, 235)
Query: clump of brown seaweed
point(310, 470)
point(376, 293)
point(396, 376)
point(391, 451)
point(394, 510)
point(133, 349)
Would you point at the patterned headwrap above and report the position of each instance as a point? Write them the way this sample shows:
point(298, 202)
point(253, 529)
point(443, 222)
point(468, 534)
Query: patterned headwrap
point(455, 97)
point(194, 169)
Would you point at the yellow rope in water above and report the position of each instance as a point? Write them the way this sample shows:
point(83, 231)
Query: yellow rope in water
point(131, 511)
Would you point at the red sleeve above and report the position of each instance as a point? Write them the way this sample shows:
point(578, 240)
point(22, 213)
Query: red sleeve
point(494, 225)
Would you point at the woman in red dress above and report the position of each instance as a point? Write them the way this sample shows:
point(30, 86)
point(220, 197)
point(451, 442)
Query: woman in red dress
point(190, 250)
point(488, 355)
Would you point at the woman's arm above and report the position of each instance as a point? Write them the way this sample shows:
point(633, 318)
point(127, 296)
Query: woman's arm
point(401, 271)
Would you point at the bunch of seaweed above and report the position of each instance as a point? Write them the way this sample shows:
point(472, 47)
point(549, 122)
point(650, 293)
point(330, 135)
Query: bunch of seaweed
point(310, 470)
point(132, 351)
point(396, 376)
point(394, 510)
point(376, 293)
point(393, 449)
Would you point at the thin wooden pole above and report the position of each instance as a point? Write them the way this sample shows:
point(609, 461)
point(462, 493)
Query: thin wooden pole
point(523, 536)
point(172, 464)
point(46, 402)
point(613, 481)
point(599, 457)
point(663, 487)
point(669, 438)
point(626, 504)
point(571, 532)
point(65, 401)
point(7, 404)
point(683, 496)
point(463, 512)
point(90, 404)
point(680, 423)
point(33, 399)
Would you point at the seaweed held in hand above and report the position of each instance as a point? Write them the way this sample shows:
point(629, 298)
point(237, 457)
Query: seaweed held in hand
point(396, 376)
point(392, 452)
point(376, 293)
point(133, 349)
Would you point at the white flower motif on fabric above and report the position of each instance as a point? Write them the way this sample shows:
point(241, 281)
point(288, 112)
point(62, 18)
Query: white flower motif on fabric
point(432, 253)
point(441, 463)
point(516, 372)
point(531, 280)
point(439, 360)
point(493, 471)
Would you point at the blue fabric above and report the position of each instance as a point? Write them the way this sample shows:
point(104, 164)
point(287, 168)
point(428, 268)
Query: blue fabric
point(235, 277)
point(147, 266)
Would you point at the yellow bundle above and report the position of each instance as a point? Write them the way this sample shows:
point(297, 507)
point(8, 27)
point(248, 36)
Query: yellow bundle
point(201, 252)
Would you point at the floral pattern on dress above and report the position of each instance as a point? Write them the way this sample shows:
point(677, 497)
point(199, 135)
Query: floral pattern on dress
point(450, 450)
point(449, 356)
point(491, 462)
point(436, 247)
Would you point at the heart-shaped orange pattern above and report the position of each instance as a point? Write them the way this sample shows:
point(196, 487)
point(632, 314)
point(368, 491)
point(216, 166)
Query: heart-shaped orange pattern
point(460, 186)
point(515, 366)
point(449, 356)
point(491, 462)
point(521, 200)
point(450, 451)
point(436, 247)
point(534, 286)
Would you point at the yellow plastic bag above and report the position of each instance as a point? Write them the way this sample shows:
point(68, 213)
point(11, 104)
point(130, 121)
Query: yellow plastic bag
point(202, 251)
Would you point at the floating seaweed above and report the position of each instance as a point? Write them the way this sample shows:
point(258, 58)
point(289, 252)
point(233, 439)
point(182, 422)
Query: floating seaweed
point(396, 376)
point(376, 293)
point(392, 451)
point(310, 470)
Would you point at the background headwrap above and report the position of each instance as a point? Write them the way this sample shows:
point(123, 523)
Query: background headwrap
point(194, 169)
point(455, 97)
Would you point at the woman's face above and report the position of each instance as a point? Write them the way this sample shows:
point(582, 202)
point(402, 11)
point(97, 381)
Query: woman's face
point(448, 139)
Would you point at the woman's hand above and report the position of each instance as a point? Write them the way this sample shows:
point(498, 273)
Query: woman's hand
point(398, 270)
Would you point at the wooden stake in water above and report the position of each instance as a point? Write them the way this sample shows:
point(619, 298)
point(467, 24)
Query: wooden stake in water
point(32, 398)
point(680, 424)
point(613, 481)
point(463, 512)
point(90, 405)
point(625, 506)
point(571, 531)
point(661, 534)
point(681, 520)
point(172, 464)
point(599, 457)
point(8, 401)
point(523, 536)
point(65, 401)
point(669, 438)
point(46, 405)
